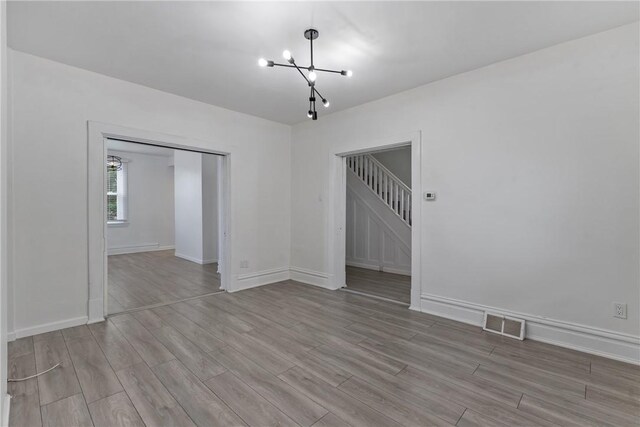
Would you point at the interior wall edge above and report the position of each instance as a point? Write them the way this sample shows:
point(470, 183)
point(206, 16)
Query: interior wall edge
point(311, 277)
point(260, 278)
point(601, 342)
point(49, 327)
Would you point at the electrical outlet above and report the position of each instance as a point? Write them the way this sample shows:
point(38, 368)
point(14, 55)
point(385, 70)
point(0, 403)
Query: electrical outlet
point(244, 263)
point(619, 310)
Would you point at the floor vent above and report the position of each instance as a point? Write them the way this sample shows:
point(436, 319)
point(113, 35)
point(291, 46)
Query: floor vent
point(503, 325)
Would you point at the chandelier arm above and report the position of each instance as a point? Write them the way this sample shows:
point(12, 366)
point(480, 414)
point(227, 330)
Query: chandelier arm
point(302, 74)
point(316, 91)
point(275, 64)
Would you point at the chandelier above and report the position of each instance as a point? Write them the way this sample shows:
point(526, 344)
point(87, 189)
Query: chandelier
point(114, 163)
point(310, 78)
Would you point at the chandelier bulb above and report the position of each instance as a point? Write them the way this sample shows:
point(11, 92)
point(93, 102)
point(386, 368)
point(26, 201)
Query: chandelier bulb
point(287, 55)
point(262, 62)
point(313, 76)
point(325, 103)
point(310, 114)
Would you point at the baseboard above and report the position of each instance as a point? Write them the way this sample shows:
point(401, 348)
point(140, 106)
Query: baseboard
point(260, 278)
point(49, 327)
point(399, 271)
point(96, 306)
point(190, 258)
point(11, 336)
point(601, 342)
point(147, 247)
point(310, 277)
point(6, 407)
point(358, 264)
point(376, 267)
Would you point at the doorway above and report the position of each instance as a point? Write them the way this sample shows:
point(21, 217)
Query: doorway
point(378, 224)
point(154, 271)
point(162, 225)
point(350, 164)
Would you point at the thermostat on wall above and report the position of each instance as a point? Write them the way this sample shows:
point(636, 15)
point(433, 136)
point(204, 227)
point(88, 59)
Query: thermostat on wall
point(429, 195)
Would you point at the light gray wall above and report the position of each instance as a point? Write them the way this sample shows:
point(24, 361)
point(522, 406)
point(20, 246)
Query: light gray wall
point(188, 205)
point(535, 161)
point(210, 207)
point(398, 161)
point(4, 237)
point(51, 104)
point(150, 210)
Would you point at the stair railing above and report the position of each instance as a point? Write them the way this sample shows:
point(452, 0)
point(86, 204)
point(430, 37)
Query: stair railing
point(388, 187)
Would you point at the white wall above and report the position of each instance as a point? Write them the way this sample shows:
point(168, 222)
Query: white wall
point(150, 211)
point(398, 161)
point(52, 103)
point(210, 183)
point(4, 275)
point(188, 205)
point(535, 161)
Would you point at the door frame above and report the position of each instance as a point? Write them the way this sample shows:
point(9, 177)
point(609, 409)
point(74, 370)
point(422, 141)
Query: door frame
point(98, 133)
point(337, 208)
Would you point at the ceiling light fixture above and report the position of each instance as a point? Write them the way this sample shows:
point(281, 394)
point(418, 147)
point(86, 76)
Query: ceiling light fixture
point(310, 35)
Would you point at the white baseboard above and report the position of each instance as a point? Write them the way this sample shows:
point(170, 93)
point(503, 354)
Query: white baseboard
point(376, 267)
point(401, 271)
point(260, 278)
point(196, 260)
point(6, 407)
point(147, 247)
point(49, 327)
point(311, 277)
point(96, 306)
point(360, 264)
point(601, 342)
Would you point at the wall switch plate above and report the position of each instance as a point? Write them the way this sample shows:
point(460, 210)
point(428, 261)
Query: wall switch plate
point(244, 264)
point(429, 196)
point(619, 310)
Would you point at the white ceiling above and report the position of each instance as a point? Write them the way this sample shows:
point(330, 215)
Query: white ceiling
point(208, 51)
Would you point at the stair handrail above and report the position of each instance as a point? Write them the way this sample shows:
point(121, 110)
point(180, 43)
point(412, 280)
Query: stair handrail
point(388, 172)
point(401, 206)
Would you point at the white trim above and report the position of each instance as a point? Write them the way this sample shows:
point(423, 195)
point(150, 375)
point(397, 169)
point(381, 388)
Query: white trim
point(376, 267)
point(336, 207)
point(50, 327)
point(97, 133)
point(11, 336)
point(311, 277)
point(194, 259)
point(260, 278)
point(6, 408)
point(147, 247)
point(601, 342)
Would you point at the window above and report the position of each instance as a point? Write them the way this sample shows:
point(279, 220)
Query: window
point(117, 195)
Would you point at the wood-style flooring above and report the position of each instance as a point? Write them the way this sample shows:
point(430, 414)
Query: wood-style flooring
point(296, 355)
point(395, 287)
point(151, 278)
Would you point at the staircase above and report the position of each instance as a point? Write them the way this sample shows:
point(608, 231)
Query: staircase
point(393, 192)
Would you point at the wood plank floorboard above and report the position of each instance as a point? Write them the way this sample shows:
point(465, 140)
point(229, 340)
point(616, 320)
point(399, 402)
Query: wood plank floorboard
point(395, 287)
point(148, 278)
point(290, 354)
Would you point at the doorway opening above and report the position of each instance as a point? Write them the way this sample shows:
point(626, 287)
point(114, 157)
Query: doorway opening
point(152, 268)
point(378, 223)
point(162, 219)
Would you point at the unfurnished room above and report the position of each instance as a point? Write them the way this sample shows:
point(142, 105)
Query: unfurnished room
point(319, 213)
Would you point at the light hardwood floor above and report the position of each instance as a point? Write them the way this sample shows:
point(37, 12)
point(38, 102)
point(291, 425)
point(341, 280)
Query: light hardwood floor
point(149, 278)
point(395, 287)
point(292, 354)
